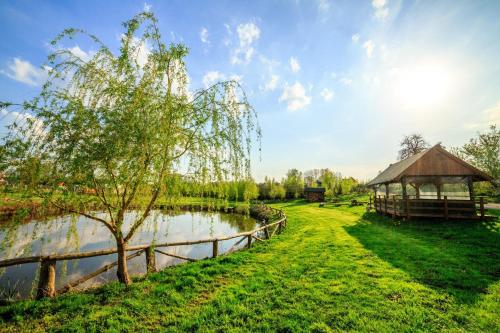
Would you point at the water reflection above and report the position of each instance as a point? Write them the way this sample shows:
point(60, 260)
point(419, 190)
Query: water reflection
point(74, 234)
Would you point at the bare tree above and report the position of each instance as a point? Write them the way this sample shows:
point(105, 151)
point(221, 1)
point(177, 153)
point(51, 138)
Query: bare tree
point(412, 144)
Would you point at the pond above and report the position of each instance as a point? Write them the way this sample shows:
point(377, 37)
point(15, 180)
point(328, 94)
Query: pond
point(71, 233)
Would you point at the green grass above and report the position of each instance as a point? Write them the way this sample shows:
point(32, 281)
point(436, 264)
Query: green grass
point(333, 269)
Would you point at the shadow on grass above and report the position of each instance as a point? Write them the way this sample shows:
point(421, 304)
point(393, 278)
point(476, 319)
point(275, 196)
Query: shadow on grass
point(461, 258)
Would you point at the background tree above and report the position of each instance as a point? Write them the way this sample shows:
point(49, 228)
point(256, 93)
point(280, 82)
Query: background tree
point(411, 145)
point(124, 125)
point(483, 152)
point(271, 189)
point(293, 183)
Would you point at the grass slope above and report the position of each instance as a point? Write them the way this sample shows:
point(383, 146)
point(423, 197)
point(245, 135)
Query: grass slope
point(334, 269)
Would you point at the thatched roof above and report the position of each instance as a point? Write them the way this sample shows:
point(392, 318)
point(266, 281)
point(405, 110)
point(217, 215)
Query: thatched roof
point(435, 161)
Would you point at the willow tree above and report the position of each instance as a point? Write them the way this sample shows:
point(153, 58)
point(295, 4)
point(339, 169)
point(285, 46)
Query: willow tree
point(124, 122)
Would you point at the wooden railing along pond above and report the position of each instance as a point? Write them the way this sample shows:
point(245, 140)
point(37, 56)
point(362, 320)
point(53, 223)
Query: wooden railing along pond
point(47, 271)
point(397, 206)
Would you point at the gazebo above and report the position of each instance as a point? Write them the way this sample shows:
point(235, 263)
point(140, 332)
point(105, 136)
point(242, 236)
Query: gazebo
point(432, 183)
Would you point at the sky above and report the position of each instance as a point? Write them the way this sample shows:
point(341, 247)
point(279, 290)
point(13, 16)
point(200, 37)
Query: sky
point(336, 84)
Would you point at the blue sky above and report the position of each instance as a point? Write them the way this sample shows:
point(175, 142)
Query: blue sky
point(335, 83)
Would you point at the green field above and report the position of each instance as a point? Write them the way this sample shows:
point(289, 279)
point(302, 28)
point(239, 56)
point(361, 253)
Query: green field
point(333, 269)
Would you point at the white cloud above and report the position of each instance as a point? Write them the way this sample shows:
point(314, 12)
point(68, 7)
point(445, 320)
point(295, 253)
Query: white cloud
point(381, 10)
point(236, 77)
point(147, 7)
point(345, 81)
point(490, 116)
point(369, 46)
point(212, 77)
point(323, 5)
point(23, 71)
point(204, 35)
point(295, 96)
point(272, 83)
point(294, 65)
point(248, 33)
point(355, 38)
point(327, 94)
point(141, 50)
point(78, 52)
point(377, 4)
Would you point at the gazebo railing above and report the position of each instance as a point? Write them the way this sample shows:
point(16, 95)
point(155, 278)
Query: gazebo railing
point(397, 206)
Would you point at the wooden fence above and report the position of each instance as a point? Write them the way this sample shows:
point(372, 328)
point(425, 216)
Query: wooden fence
point(437, 208)
point(47, 271)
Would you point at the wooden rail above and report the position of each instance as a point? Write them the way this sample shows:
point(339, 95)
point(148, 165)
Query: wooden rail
point(47, 271)
point(440, 208)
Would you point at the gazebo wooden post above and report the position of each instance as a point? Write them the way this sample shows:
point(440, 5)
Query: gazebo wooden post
point(417, 191)
point(445, 207)
point(470, 184)
point(481, 207)
point(393, 206)
point(386, 195)
point(438, 184)
point(403, 185)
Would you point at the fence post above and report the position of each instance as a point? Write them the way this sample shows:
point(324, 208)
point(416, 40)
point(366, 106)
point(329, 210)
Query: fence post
point(215, 248)
point(280, 227)
point(150, 259)
point(47, 279)
point(266, 232)
point(481, 207)
point(446, 207)
point(385, 204)
point(380, 203)
point(249, 241)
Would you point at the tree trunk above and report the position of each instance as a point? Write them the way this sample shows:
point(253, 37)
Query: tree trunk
point(122, 270)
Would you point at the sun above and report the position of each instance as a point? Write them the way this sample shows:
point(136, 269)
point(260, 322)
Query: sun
point(423, 86)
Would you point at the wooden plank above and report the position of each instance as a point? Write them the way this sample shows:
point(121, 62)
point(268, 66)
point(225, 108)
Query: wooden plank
point(257, 238)
point(87, 277)
point(176, 256)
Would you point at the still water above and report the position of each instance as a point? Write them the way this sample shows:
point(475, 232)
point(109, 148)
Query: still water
point(79, 234)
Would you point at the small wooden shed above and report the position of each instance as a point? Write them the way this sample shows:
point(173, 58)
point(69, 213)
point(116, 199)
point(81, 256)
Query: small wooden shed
point(314, 194)
point(432, 183)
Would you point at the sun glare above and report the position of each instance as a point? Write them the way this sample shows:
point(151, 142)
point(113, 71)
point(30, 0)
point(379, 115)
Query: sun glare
point(423, 86)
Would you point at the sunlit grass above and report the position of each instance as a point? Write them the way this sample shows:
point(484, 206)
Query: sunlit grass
point(333, 269)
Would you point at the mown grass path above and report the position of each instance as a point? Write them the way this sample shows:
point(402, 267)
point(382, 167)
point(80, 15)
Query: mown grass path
point(334, 269)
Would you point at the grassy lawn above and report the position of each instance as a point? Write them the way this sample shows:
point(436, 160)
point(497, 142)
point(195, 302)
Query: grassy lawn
point(333, 269)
